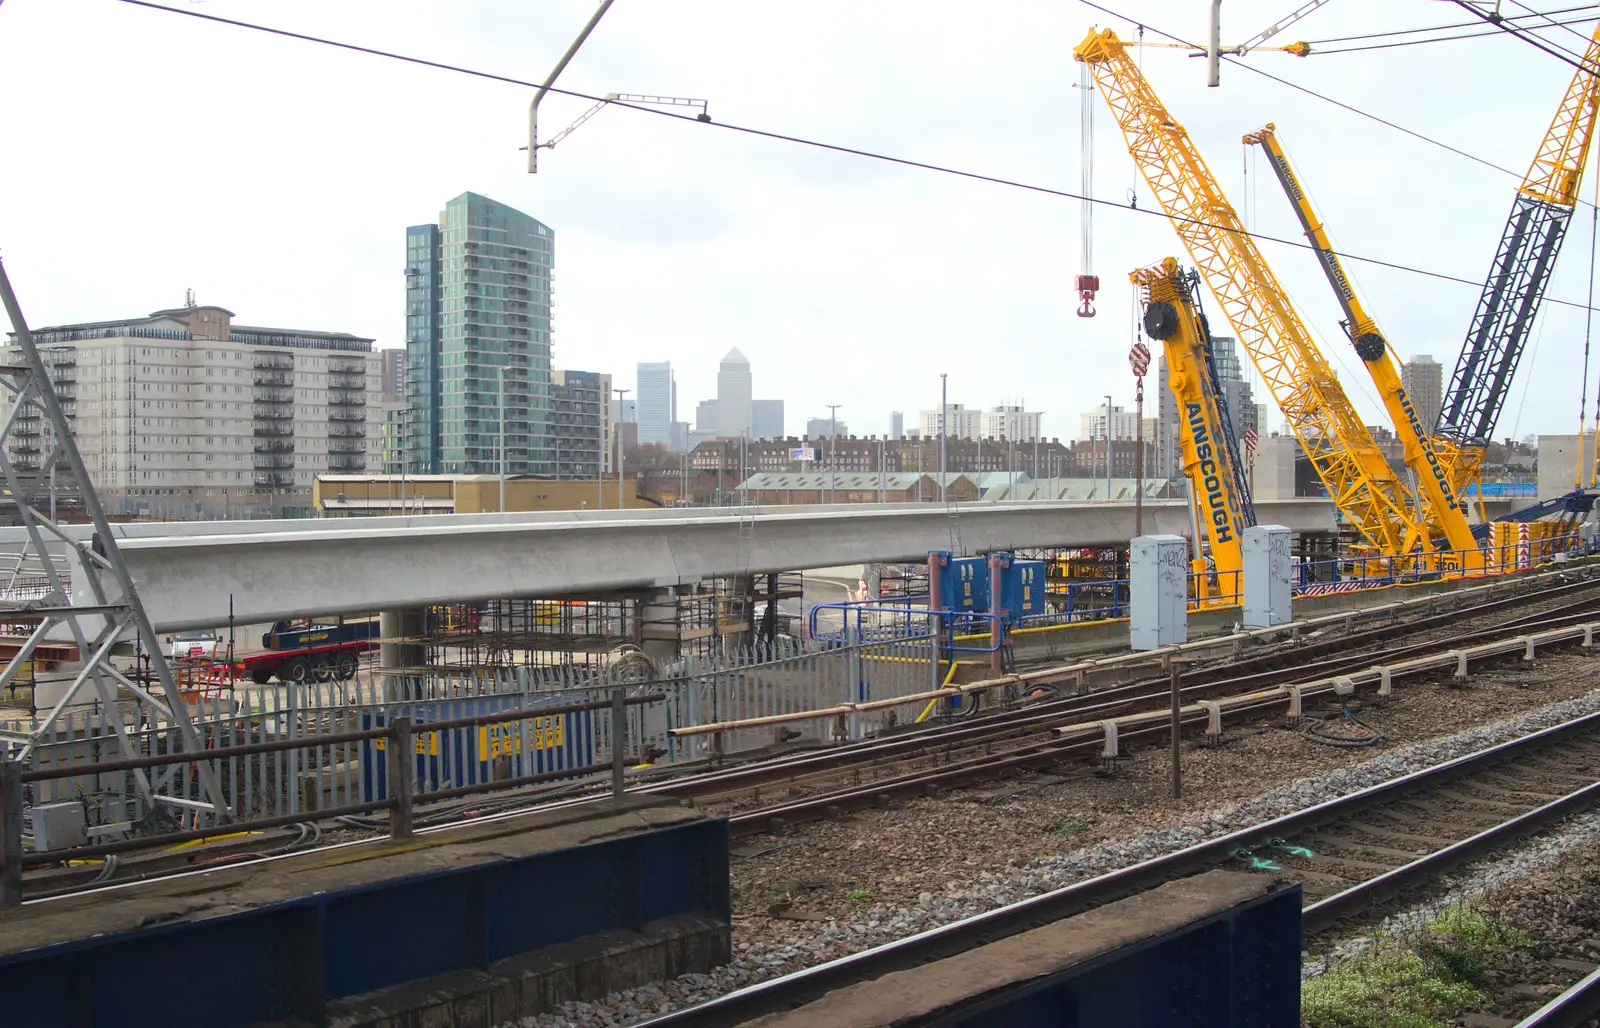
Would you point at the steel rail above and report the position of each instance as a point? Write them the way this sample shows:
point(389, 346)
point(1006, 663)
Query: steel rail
point(1025, 754)
point(803, 986)
point(1571, 1009)
point(1330, 910)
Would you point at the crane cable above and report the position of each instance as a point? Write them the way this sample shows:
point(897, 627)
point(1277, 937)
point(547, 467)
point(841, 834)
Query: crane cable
point(1086, 108)
point(1588, 324)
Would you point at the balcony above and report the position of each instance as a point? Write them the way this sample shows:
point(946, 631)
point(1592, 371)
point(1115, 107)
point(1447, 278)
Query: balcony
point(269, 444)
point(272, 377)
point(272, 394)
point(346, 463)
point(273, 362)
point(347, 414)
point(274, 480)
point(272, 412)
point(339, 398)
point(346, 445)
point(346, 430)
point(274, 429)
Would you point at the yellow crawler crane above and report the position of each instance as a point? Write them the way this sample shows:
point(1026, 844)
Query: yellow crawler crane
point(1170, 318)
point(1447, 523)
point(1361, 483)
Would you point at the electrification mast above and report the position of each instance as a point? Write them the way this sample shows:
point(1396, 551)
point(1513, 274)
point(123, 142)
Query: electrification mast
point(1447, 524)
point(1215, 484)
point(1340, 448)
point(1516, 283)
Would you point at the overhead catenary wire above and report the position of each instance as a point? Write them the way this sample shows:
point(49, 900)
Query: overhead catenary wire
point(1559, 53)
point(1442, 28)
point(1325, 52)
point(834, 147)
point(1308, 91)
point(1548, 17)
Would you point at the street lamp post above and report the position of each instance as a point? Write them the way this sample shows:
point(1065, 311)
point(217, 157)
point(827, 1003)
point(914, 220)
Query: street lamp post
point(833, 458)
point(620, 394)
point(1038, 428)
point(1108, 446)
point(944, 412)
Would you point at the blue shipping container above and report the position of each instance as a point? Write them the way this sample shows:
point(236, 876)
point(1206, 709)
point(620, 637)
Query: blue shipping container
point(467, 756)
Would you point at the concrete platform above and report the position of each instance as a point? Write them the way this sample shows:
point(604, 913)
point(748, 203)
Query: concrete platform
point(1220, 950)
point(468, 927)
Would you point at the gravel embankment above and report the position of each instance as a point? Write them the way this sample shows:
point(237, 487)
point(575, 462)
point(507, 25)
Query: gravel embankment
point(842, 886)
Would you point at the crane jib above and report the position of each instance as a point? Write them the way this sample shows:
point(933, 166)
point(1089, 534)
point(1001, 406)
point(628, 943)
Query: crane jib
point(1217, 500)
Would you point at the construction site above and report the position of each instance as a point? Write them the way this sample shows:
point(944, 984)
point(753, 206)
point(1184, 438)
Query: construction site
point(1192, 758)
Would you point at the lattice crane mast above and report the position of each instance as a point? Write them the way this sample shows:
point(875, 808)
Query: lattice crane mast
point(1516, 283)
point(1447, 523)
point(1340, 448)
point(1216, 487)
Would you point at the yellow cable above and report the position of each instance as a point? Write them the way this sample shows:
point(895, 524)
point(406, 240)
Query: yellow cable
point(209, 838)
point(935, 701)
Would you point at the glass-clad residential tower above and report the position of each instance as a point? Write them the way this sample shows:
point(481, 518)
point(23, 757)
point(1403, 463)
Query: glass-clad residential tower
point(478, 341)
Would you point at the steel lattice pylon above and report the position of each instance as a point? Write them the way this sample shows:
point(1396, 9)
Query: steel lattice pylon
point(107, 608)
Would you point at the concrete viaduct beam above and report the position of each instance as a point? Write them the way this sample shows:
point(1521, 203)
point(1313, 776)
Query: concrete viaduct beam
point(188, 573)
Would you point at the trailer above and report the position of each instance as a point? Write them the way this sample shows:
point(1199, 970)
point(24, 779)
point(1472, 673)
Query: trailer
point(309, 650)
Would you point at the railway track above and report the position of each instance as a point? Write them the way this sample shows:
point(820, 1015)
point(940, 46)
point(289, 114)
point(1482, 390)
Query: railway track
point(1004, 741)
point(984, 748)
point(1351, 855)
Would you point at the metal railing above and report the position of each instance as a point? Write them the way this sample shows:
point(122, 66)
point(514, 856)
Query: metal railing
point(1351, 574)
point(229, 710)
point(399, 738)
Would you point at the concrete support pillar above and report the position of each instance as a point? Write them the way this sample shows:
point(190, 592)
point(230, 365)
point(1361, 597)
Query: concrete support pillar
point(660, 626)
point(1158, 573)
point(408, 623)
point(1268, 576)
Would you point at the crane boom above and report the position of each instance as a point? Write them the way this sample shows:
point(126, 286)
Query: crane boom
point(1172, 319)
point(1359, 480)
point(1447, 524)
point(1522, 265)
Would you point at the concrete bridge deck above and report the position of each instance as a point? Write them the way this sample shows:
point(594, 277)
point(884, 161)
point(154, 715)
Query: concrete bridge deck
point(189, 573)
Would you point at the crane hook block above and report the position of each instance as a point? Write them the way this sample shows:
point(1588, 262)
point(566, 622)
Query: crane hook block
point(1088, 285)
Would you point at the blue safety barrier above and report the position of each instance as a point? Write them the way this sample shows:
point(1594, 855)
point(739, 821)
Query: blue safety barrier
point(466, 756)
point(1236, 969)
point(289, 959)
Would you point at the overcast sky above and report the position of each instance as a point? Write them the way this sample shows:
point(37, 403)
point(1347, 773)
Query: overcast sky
point(147, 153)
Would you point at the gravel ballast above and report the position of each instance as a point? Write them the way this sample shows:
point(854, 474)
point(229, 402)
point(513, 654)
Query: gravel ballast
point(887, 904)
